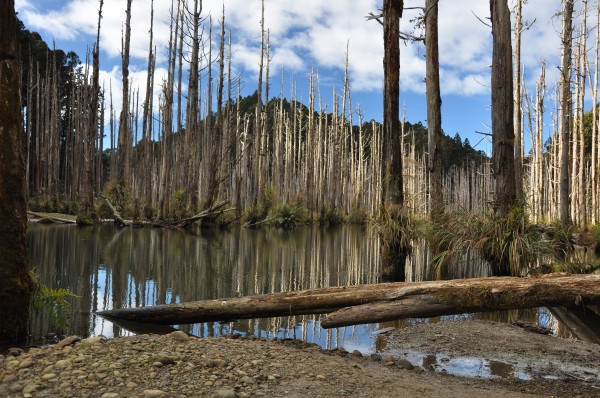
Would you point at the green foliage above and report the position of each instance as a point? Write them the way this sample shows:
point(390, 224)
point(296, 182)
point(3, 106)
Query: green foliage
point(260, 212)
point(595, 235)
point(55, 302)
point(358, 216)
point(178, 204)
point(290, 216)
point(331, 217)
point(397, 227)
point(512, 245)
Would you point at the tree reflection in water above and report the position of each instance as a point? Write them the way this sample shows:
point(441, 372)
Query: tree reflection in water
point(112, 268)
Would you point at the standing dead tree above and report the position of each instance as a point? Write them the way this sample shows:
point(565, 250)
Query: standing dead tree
point(503, 137)
point(434, 110)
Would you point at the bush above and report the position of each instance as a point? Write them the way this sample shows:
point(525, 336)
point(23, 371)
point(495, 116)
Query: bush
point(290, 216)
point(331, 217)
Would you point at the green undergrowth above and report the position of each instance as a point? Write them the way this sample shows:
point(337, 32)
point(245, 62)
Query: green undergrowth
point(56, 302)
point(511, 244)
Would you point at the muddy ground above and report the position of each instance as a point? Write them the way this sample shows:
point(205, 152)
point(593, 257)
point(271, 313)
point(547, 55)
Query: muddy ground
point(502, 359)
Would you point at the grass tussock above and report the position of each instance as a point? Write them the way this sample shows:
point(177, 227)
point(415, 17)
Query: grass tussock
point(512, 244)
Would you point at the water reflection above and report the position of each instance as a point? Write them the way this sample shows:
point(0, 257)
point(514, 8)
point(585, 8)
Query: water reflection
point(110, 268)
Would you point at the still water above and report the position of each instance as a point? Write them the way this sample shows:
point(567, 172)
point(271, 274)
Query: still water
point(108, 267)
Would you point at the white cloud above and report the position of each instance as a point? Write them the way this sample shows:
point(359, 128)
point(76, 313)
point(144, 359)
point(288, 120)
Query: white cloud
point(316, 33)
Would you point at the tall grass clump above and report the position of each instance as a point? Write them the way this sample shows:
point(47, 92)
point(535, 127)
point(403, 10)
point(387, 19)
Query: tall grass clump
point(397, 230)
point(511, 245)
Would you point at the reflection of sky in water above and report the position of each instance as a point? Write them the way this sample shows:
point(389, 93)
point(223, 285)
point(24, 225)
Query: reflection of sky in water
point(109, 267)
point(464, 366)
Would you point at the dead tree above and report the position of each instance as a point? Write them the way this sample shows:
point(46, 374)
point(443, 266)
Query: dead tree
point(566, 111)
point(434, 110)
point(123, 169)
point(503, 137)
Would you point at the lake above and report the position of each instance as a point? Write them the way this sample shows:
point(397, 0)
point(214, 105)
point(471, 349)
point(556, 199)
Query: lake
point(109, 267)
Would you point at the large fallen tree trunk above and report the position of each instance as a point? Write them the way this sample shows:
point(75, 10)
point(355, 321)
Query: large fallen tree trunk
point(382, 302)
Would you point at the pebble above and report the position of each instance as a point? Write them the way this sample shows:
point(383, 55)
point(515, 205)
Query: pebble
point(224, 393)
point(62, 364)
point(154, 394)
point(179, 336)
point(405, 364)
point(67, 341)
point(110, 395)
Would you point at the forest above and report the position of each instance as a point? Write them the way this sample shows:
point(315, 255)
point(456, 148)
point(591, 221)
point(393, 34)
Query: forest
point(206, 150)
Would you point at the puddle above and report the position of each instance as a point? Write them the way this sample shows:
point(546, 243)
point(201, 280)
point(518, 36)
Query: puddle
point(466, 366)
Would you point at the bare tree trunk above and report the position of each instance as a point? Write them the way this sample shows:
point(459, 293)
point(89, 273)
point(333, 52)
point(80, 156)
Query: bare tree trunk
point(393, 191)
point(122, 169)
point(256, 169)
point(595, 141)
point(87, 214)
point(192, 111)
point(518, 102)
point(503, 153)
point(16, 287)
point(566, 111)
point(147, 113)
point(214, 177)
point(434, 111)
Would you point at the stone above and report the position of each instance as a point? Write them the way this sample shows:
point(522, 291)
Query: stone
point(225, 393)
point(247, 380)
point(48, 376)
point(405, 364)
point(29, 388)
point(179, 336)
point(131, 384)
point(93, 340)
point(26, 364)
point(62, 364)
point(9, 379)
point(15, 388)
point(109, 395)
point(67, 341)
point(357, 353)
point(154, 393)
point(15, 352)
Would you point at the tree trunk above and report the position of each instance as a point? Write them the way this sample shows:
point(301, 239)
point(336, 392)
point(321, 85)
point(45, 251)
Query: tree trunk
point(393, 183)
point(503, 137)
point(566, 111)
point(16, 287)
point(472, 295)
point(122, 167)
point(394, 300)
point(518, 102)
point(87, 214)
point(434, 111)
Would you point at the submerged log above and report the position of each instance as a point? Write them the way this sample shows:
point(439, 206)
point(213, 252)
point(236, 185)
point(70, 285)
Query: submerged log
point(382, 302)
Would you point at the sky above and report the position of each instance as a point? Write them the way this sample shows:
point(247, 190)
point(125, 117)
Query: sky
point(315, 34)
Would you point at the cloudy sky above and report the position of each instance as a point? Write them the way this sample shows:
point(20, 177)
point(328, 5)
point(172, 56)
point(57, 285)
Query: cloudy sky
point(314, 34)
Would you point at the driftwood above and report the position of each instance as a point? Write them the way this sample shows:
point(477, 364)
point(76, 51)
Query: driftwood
point(215, 210)
point(382, 302)
point(50, 218)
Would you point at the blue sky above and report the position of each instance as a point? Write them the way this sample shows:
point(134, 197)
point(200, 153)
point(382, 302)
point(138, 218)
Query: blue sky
point(314, 34)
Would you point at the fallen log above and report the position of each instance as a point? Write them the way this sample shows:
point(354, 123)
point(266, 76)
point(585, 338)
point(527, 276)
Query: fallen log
point(473, 295)
point(120, 221)
point(381, 302)
point(51, 218)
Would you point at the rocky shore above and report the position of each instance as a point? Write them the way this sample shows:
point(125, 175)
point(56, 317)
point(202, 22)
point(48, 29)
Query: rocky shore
point(177, 365)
